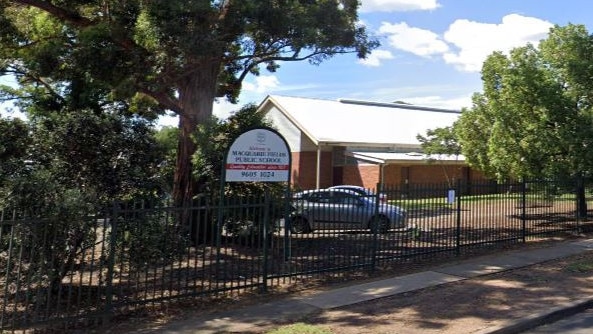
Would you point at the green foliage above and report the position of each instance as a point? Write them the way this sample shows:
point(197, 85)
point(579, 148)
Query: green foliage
point(56, 172)
point(440, 141)
point(181, 55)
point(213, 140)
point(166, 140)
point(14, 141)
point(534, 117)
point(146, 237)
point(55, 228)
point(108, 155)
point(154, 46)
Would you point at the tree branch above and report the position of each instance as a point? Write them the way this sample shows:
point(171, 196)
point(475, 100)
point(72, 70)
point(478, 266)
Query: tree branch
point(68, 16)
point(263, 59)
point(224, 9)
point(163, 99)
point(79, 21)
point(39, 80)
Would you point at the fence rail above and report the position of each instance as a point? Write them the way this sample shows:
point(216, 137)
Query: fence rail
point(64, 270)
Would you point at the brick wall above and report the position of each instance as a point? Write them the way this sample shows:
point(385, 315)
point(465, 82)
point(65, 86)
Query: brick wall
point(304, 173)
point(304, 170)
point(363, 175)
point(428, 180)
point(392, 174)
point(368, 175)
point(435, 173)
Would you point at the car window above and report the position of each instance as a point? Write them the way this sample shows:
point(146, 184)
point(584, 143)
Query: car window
point(320, 197)
point(357, 190)
point(351, 189)
point(346, 198)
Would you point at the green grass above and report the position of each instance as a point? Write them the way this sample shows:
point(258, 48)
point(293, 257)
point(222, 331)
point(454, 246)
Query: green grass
point(421, 203)
point(434, 202)
point(300, 328)
point(580, 267)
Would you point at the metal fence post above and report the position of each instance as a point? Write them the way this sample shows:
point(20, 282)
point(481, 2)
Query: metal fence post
point(523, 210)
point(11, 239)
point(458, 201)
point(108, 311)
point(374, 247)
point(287, 225)
point(267, 208)
point(579, 184)
point(219, 222)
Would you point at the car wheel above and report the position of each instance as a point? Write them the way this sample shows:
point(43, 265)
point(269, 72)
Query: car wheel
point(379, 224)
point(300, 225)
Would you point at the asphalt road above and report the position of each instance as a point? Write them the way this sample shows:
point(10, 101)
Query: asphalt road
point(580, 323)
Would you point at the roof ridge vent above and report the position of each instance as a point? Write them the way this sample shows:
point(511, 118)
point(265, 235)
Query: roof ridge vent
point(415, 154)
point(397, 105)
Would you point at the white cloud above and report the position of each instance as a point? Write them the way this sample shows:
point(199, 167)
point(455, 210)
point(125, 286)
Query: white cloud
point(454, 103)
point(466, 44)
point(398, 5)
point(8, 110)
point(223, 108)
point(374, 59)
point(420, 42)
point(476, 40)
point(12, 114)
point(262, 84)
point(168, 120)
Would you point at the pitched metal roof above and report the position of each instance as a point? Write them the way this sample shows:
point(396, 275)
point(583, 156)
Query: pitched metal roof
point(353, 122)
point(413, 157)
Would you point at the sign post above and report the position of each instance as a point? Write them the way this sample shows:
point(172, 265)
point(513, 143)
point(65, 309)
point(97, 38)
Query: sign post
point(261, 155)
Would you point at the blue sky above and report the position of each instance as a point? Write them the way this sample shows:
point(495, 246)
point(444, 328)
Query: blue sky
point(431, 52)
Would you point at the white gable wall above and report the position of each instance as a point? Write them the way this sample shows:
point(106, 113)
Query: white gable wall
point(288, 130)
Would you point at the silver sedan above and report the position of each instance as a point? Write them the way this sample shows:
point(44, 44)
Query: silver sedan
point(332, 209)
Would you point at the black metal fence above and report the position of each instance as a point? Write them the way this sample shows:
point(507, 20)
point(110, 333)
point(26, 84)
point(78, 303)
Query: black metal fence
point(67, 271)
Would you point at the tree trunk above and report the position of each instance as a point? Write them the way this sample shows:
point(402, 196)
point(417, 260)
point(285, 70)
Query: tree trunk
point(183, 182)
point(196, 95)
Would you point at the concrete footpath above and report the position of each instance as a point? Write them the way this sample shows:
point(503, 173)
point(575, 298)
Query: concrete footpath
point(255, 317)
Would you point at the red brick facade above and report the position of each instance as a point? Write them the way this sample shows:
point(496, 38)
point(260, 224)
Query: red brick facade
point(362, 175)
point(367, 175)
point(304, 170)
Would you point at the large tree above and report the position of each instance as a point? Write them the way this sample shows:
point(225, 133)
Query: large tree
point(535, 116)
point(61, 167)
point(14, 142)
point(440, 141)
point(180, 54)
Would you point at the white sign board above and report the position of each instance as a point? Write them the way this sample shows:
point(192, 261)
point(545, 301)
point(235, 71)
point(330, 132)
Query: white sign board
point(260, 155)
point(451, 196)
